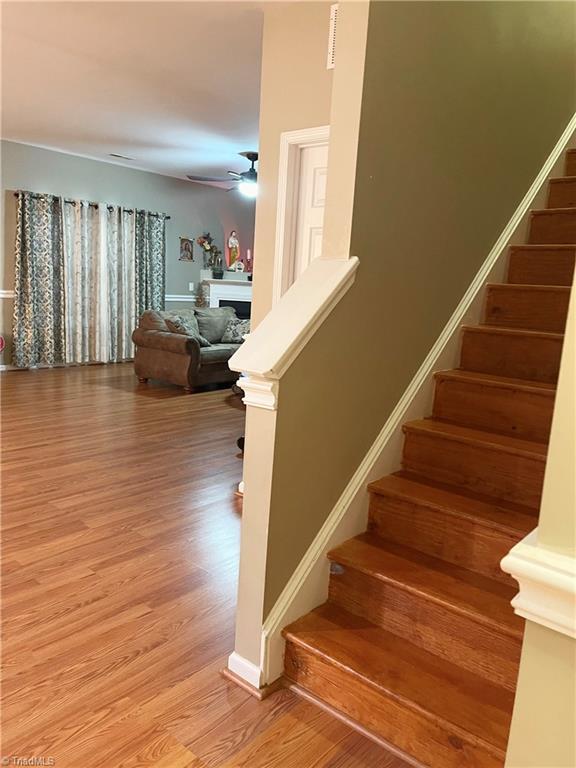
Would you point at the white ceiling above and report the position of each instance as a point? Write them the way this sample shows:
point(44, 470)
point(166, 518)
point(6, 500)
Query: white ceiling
point(173, 85)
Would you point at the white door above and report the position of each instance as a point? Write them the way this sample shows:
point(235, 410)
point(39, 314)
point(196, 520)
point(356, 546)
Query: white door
point(311, 198)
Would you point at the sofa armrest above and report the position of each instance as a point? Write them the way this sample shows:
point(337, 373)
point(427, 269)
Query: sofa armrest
point(168, 342)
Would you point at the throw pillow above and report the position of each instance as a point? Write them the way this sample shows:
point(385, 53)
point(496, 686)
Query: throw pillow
point(213, 321)
point(187, 326)
point(235, 331)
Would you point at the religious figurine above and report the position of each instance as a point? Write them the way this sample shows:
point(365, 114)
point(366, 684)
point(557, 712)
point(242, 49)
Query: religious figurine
point(233, 249)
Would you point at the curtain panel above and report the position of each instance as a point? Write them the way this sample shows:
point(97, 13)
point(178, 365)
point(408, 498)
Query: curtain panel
point(150, 260)
point(85, 272)
point(38, 322)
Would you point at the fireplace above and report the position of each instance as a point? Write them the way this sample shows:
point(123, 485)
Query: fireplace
point(242, 308)
point(230, 293)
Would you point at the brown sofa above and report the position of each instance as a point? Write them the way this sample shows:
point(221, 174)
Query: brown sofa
point(179, 358)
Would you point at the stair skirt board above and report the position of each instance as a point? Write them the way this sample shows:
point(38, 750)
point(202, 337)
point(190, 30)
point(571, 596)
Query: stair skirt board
point(418, 643)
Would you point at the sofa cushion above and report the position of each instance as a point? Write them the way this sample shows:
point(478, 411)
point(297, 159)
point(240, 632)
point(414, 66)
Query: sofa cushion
point(212, 322)
point(217, 353)
point(235, 331)
point(187, 325)
point(152, 321)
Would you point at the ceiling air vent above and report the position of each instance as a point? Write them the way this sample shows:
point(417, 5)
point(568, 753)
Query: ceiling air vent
point(330, 63)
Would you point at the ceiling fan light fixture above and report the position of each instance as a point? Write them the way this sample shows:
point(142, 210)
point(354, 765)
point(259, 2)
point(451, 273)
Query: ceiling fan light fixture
point(248, 188)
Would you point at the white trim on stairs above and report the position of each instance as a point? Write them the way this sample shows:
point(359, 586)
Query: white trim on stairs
point(547, 585)
point(245, 669)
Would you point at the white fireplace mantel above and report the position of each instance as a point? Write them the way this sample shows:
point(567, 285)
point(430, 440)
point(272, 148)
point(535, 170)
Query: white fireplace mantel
point(228, 290)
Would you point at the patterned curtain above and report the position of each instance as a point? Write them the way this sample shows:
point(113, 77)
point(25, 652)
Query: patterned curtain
point(85, 272)
point(150, 260)
point(39, 337)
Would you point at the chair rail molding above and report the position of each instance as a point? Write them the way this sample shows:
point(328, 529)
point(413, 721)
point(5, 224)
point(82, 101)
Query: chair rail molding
point(179, 297)
point(547, 584)
point(6, 294)
point(291, 145)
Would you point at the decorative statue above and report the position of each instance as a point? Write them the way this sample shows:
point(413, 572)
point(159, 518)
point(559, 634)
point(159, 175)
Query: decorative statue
point(233, 249)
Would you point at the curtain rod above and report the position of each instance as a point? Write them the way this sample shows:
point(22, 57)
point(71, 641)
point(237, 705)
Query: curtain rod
point(92, 205)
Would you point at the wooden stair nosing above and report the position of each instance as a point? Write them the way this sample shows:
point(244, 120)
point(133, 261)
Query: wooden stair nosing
point(562, 289)
point(469, 436)
point(445, 585)
point(567, 211)
point(394, 653)
point(536, 247)
point(453, 500)
point(513, 332)
point(562, 180)
point(544, 388)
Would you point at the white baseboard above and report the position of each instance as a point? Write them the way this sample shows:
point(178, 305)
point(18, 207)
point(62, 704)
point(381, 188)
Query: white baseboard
point(249, 672)
point(547, 585)
point(308, 586)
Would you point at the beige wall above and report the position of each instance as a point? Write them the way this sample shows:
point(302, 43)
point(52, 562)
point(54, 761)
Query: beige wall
point(462, 104)
point(193, 208)
point(295, 93)
point(542, 734)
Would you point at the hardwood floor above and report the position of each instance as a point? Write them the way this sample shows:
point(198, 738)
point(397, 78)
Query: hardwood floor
point(121, 541)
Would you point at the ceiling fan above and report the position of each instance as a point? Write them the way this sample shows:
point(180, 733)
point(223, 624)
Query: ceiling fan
point(247, 180)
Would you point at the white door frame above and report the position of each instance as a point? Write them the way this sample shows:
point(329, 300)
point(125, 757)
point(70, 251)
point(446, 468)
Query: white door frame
point(291, 145)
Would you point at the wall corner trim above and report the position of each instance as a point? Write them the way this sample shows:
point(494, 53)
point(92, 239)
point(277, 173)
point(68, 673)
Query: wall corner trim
point(245, 669)
point(547, 585)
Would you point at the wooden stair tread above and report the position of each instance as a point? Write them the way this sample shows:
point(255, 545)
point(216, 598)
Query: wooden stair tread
point(545, 388)
point(567, 211)
point(504, 516)
point(433, 686)
point(563, 180)
point(518, 332)
point(479, 598)
point(561, 289)
point(543, 247)
point(467, 435)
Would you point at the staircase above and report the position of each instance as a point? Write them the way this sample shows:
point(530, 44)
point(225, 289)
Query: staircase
point(418, 644)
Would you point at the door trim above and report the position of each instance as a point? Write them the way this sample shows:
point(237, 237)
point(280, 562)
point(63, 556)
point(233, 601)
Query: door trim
point(291, 145)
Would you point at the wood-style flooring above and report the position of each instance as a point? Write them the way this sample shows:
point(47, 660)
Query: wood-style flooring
point(120, 554)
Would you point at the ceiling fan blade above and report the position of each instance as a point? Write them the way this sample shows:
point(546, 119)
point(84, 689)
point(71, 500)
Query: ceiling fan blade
point(252, 156)
point(236, 176)
point(208, 178)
